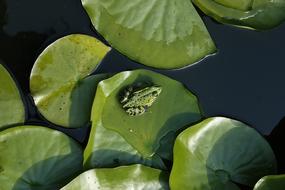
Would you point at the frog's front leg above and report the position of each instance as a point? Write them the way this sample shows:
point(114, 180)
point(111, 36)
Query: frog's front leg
point(141, 110)
point(136, 111)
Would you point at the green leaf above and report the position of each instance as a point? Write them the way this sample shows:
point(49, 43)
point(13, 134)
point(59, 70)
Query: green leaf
point(217, 152)
point(254, 14)
point(106, 148)
point(132, 139)
point(271, 182)
point(135, 177)
point(11, 105)
point(34, 157)
point(164, 34)
point(59, 80)
point(240, 4)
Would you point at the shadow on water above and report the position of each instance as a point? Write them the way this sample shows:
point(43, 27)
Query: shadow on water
point(228, 157)
point(277, 142)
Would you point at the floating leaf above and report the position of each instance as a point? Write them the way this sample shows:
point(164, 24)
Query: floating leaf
point(34, 157)
point(135, 177)
point(59, 82)
point(217, 152)
point(121, 138)
point(255, 14)
point(12, 110)
point(272, 182)
point(158, 33)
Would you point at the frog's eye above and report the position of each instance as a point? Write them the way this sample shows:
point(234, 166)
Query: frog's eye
point(127, 94)
point(155, 94)
point(130, 88)
point(124, 99)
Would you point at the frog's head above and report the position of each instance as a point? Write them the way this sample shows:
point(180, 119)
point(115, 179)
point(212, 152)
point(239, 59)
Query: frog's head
point(155, 90)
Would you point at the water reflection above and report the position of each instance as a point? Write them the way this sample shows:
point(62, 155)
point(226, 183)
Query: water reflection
point(2, 12)
point(19, 53)
point(244, 80)
point(44, 16)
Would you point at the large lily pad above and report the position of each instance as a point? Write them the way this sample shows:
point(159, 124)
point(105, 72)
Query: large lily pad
point(272, 182)
point(12, 110)
point(135, 177)
point(158, 33)
point(59, 80)
point(34, 157)
point(255, 14)
point(218, 152)
point(123, 138)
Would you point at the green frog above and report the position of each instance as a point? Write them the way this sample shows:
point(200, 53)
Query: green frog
point(136, 102)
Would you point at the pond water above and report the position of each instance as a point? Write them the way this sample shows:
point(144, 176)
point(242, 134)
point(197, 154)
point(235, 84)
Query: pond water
point(244, 80)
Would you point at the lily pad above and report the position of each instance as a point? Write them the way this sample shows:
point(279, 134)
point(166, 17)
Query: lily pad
point(254, 14)
point(131, 139)
point(59, 80)
point(11, 105)
point(216, 153)
point(135, 177)
point(272, 182)
point(34, 157)
point(164, 34)
point(107, 149)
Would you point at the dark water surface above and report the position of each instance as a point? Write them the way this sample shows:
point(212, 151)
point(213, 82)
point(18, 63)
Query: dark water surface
point(245, 80)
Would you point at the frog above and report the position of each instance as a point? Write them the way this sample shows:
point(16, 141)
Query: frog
point(136, 102)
